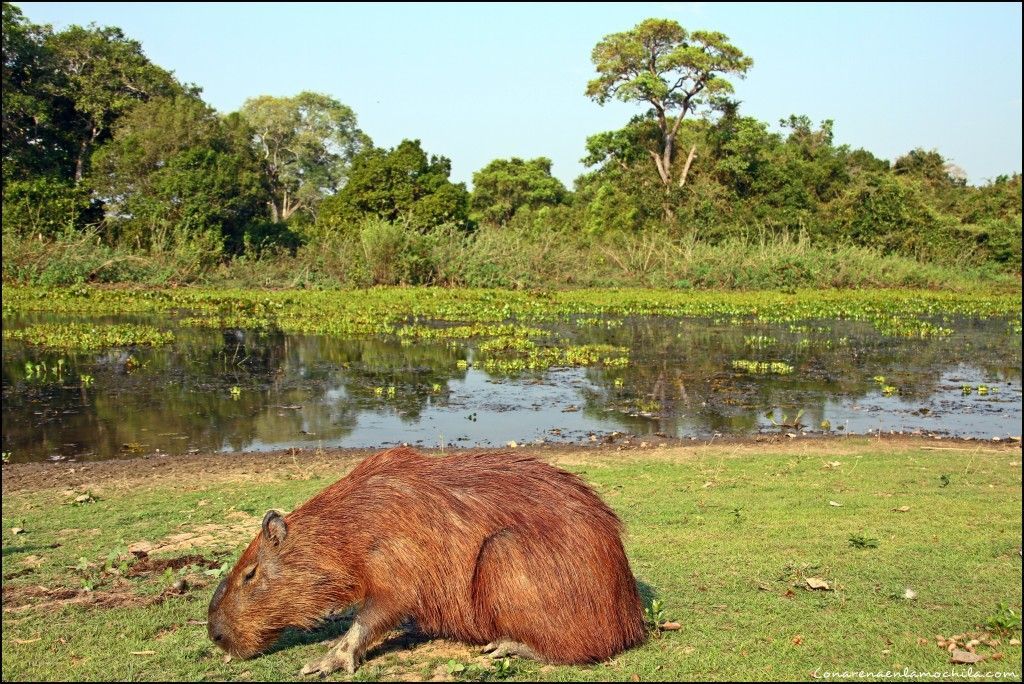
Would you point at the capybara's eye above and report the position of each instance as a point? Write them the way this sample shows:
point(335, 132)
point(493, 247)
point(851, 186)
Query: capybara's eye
point(249, 575)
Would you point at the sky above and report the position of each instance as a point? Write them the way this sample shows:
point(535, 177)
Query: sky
point(477, 82)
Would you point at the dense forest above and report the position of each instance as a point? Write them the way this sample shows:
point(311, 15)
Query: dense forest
point(114, 170)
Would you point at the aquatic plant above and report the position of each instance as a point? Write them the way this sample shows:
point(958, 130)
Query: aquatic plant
point(763, 367)
point(88, 337)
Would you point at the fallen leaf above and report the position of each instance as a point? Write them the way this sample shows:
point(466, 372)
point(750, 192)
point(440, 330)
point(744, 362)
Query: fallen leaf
point(922, 642)
point(902, 509)
point(670, 626)
point(22, 642)
point(789, 594)
point(634, 677)
point(965, 658)
point(817, 583)
point(227, 659)
point(798, 639)
point(834, 503)
point(1015, 642)
point(143, 652)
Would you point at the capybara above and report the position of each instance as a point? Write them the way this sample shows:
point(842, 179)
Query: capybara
point(497, 549)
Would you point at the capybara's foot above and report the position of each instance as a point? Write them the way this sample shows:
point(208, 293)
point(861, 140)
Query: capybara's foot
point(503, 648)
point(336, 659)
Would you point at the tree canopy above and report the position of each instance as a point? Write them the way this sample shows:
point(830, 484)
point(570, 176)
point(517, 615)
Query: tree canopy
point(401, 183)
point(505, 185)
point(661, 64)
point(307, 144)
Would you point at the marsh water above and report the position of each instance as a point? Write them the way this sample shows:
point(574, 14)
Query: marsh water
point(239, 389)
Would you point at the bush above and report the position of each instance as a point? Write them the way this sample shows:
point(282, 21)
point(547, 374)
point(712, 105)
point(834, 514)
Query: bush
point(47, 207)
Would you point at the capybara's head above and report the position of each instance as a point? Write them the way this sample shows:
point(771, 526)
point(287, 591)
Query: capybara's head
point(273, 586)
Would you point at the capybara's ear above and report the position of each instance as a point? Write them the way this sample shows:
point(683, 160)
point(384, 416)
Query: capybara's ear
point(275, 529)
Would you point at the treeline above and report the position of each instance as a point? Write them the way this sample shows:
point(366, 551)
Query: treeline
point(113, 170)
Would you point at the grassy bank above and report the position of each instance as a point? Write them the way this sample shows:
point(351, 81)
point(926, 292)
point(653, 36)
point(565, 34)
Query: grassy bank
point(915, 539)
point(506, 258)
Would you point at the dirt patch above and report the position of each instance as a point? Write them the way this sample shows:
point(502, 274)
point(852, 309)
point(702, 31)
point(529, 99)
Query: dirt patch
point(146, 565)
point(201, 536)
point(21, 598)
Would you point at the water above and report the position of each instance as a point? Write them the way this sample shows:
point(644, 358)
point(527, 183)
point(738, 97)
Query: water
point(312, 391)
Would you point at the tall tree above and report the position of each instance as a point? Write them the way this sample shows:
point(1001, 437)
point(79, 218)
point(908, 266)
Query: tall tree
point(505, 185)
point(175, 168)
point(674, 71)
point(307, 144)
point(103, 74)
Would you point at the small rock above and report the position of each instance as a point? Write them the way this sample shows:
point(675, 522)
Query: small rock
point(834, 503)
point(910, 594)
point(817, 583)
point(17, 530)
point(512, 444)
point(958, 657)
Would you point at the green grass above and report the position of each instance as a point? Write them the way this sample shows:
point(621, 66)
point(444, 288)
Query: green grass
point(724, 536)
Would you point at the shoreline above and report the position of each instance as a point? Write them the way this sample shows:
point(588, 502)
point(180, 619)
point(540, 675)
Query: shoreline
point(162, 469)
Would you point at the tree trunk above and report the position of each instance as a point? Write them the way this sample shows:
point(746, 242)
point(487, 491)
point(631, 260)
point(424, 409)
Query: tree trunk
point(80, 162)
point(663, 171)
point(686, 168)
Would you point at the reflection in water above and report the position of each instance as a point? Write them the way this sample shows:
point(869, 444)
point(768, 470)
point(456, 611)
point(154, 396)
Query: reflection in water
point(312, 391)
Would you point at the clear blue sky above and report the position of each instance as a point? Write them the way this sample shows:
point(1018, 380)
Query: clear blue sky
point(479, 82)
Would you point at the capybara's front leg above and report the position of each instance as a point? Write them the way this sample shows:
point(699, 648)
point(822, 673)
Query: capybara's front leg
point(371, 622)
point(502, 648)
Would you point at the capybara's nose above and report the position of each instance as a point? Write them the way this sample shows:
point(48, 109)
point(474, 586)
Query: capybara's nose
point(218, 637)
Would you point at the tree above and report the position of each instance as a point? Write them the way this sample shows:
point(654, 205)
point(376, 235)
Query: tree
point(307, 144)
point(505, 185)
point(32, 145)
point(174, 168)
point(930, 167)
point(661, 64)
point(400, 183)
point(102, 74)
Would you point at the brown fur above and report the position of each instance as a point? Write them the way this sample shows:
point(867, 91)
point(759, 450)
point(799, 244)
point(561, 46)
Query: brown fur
point(473, 547)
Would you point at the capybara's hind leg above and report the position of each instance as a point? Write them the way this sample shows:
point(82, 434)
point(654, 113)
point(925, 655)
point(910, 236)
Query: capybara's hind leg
point(347, 653)
point(502, 648)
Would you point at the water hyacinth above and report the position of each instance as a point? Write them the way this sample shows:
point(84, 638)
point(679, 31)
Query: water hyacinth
point(89, 337)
